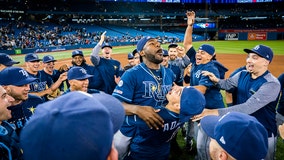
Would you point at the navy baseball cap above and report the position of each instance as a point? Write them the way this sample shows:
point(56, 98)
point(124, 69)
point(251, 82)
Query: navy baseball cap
point(73, 126)
point(48, 58)
point(77, 73)
point(207, 48)
point(261, 50)
point(77, 53)
point(115, 108)
point(130, 56)
point(239, 134)
point(106, 45)
point(31, 57)
point(172, 45)
point(165, 53)
point(141, 43)
point(15, 76)
point(192, 102)
point(6, 60)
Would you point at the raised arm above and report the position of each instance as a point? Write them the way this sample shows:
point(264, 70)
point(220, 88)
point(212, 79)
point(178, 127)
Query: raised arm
point(187, 42)
point(95, 58)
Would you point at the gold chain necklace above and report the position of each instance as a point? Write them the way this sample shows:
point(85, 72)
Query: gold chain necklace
point(158, 80)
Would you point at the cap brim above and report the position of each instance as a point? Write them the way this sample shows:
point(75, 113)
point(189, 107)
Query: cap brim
point(251, 51)
point(208, 124)
point(25, 81)
point(107, 46)
point(49, 61)
point(84, 77)
point(8, 64)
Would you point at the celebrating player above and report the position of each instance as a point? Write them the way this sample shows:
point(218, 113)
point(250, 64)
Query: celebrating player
point(254, 96)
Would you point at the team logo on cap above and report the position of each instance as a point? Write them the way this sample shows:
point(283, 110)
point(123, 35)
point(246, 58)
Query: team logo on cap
point(25, 73)
point(83, 71)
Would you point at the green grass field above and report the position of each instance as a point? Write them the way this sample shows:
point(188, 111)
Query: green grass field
point(222, 47)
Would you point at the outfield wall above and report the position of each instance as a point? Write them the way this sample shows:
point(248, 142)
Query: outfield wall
point(260, 34)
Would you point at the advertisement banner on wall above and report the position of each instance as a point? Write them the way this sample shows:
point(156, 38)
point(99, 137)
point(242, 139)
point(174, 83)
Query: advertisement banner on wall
point(232, 36)
point(257, 36)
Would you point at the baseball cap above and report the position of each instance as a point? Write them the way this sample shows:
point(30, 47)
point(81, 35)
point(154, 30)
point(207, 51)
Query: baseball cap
point(165, 53)
point(141, 43)
point(106, 45)
point(115, 108)
point(15, 76)
point(30, 57)
point(77, 52)
point(6, 60)
point(48, 58)
point(77, 73)
point(134, 52)
point(262, 50)
point(207, 48)
point(172, 45)
point(73, 126)
point(130, 56)
point(241, 135)
point(192, 102)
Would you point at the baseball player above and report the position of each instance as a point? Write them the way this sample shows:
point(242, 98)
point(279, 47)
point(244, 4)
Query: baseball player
point(235, 136)
point(95, 82)
point(280, 108)
point(18, 87)
point(9, 141)
point(48, 72)
point(40, 86)
point(174, 68)
point(6, 61)
point(203, 60)
point(155, 144)
point(110, 68)
point(79, 80)
point(144, 87)
point(254, 96)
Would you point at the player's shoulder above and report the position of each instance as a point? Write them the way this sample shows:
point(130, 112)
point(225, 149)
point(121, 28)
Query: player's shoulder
point(34, 98)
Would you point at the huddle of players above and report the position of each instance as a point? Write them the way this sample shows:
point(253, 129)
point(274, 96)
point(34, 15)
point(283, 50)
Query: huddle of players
point(149, 84)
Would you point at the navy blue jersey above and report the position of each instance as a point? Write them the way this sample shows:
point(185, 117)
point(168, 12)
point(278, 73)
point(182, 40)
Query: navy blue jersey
point(139, 86)
point(40, 84)
point(9, 143)
point(256, 97)
point(234, 92)
point(22, 112)
point(280, 108)
point(108, 68)
point(212, 95)
point(95, 82)
point(55, 76)
point(151, 143)
point(178, 74)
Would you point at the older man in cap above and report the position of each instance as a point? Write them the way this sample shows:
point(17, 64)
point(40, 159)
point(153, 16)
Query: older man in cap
point(6, 61)
point(257, 92)
point(110, 68)
point(16, 81)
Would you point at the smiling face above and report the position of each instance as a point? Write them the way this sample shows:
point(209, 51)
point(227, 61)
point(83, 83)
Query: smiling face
point(78, 60)
point(48, 67)
point(19, 93)
point(5, 102)
point(33, 67)
point(202, 57)
point(172, 53)
point(79, 85)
